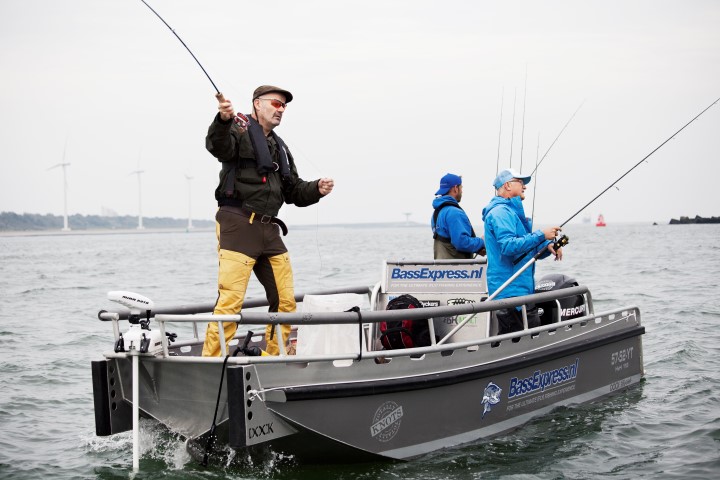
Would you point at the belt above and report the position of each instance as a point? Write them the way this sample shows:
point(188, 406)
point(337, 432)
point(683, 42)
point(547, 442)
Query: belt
point(252, 216)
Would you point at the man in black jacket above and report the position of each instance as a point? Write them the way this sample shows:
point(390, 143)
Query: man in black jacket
point(258, 175)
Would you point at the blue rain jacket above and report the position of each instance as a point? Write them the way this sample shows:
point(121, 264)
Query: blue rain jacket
point(453, 223)
point(508, 237)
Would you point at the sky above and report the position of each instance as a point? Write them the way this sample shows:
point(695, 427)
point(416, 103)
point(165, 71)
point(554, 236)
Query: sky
point(389, 96)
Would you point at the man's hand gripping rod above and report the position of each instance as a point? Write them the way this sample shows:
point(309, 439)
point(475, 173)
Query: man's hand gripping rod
point(240, 119)
point(559, 243)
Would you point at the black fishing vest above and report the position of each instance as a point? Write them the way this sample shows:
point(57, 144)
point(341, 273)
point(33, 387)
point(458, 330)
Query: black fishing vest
point(263, 160)
point(435, 217)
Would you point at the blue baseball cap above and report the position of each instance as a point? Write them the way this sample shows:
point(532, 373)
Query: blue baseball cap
point(447, 182)
point(507, 175)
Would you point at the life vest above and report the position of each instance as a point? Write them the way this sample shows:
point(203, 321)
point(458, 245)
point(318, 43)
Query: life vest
point(435, 217)
point(263, 160)
point(396, 334)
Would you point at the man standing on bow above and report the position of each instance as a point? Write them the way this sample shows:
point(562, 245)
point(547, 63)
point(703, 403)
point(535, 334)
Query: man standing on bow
point(510, 243)
point(258, 175)
point(453, 234)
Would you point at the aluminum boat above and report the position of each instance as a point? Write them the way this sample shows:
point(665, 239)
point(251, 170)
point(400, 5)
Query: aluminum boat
point(341, 396)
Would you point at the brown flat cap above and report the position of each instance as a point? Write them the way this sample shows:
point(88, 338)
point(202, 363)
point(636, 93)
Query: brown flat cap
point(263, 89)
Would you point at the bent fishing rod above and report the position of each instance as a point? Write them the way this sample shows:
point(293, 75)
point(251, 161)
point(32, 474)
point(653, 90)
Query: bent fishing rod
point(638, 163)
point(239, 118)
point(563, 240)
point(627, 172)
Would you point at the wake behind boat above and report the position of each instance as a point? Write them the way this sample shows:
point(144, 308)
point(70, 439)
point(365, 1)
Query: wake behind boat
point(343, 397)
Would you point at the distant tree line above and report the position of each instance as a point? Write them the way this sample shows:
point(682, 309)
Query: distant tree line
point(697, 219)
point(33, 221)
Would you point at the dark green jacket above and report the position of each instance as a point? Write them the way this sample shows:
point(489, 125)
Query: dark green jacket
point(234, 149)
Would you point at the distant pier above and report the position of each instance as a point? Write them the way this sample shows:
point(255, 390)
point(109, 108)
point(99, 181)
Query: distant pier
point(697, 219)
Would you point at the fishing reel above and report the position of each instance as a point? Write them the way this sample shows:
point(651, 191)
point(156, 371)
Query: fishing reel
point(248, 351)
point(561, 242)
point(241, 120)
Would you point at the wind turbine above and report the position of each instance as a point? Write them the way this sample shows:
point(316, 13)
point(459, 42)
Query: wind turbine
point(407, 217)
point(189, 179)
point(65, 216)
point(138, 172)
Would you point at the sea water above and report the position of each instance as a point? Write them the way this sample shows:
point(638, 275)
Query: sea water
point(51, 288)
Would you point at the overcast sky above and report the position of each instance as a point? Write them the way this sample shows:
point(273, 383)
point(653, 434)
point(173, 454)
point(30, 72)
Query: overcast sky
point(389, 96)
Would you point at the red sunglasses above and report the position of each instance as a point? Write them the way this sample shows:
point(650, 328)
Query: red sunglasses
point(275, 102)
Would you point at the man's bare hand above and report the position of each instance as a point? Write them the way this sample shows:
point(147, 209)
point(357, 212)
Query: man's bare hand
point(557, 253)
point(551, 232)
point(325, 186)
point(225, 107)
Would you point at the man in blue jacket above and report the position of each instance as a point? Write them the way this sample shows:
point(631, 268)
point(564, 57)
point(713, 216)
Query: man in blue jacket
point(453, 235)
point(511, 243)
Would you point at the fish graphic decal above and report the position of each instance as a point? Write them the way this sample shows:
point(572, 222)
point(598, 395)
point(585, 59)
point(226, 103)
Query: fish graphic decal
point(491, 396)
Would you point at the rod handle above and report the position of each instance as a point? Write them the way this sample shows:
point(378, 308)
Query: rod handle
point(240, 119)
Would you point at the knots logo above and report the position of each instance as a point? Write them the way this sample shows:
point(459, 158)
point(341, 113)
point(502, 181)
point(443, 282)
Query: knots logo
point(386, 421)
point(491, 396)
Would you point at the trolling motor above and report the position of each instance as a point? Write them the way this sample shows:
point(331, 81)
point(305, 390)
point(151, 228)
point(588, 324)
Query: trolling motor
point(138, 336)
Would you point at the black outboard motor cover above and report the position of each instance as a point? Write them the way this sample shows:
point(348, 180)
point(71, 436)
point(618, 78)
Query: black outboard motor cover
point(571, 307)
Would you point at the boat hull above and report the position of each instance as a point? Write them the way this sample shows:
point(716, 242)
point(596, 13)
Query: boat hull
point(397, 407)
point(403, 422)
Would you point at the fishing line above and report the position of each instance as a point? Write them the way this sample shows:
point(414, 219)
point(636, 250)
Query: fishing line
point(502, 102)
point(638, 163)
point(305, 158)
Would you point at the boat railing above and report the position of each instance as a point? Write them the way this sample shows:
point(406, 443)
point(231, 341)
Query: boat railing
point(362, 319)
point(206, 308)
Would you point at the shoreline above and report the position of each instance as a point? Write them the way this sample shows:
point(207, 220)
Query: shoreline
point(100, 231)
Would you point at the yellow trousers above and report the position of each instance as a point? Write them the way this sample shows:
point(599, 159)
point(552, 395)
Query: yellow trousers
point(273, 271)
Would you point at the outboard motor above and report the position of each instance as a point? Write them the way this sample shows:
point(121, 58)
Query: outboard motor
point(139, 336)
point(570, 307)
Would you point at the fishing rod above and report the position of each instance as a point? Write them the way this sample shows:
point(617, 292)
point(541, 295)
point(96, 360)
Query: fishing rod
point(512, 130)
point(564, 240)
point(558, 136)
point(522, 135)
point(627, 172)
point(537, 164)
point(638, 163)
point(239, 118)
point(535, 183)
